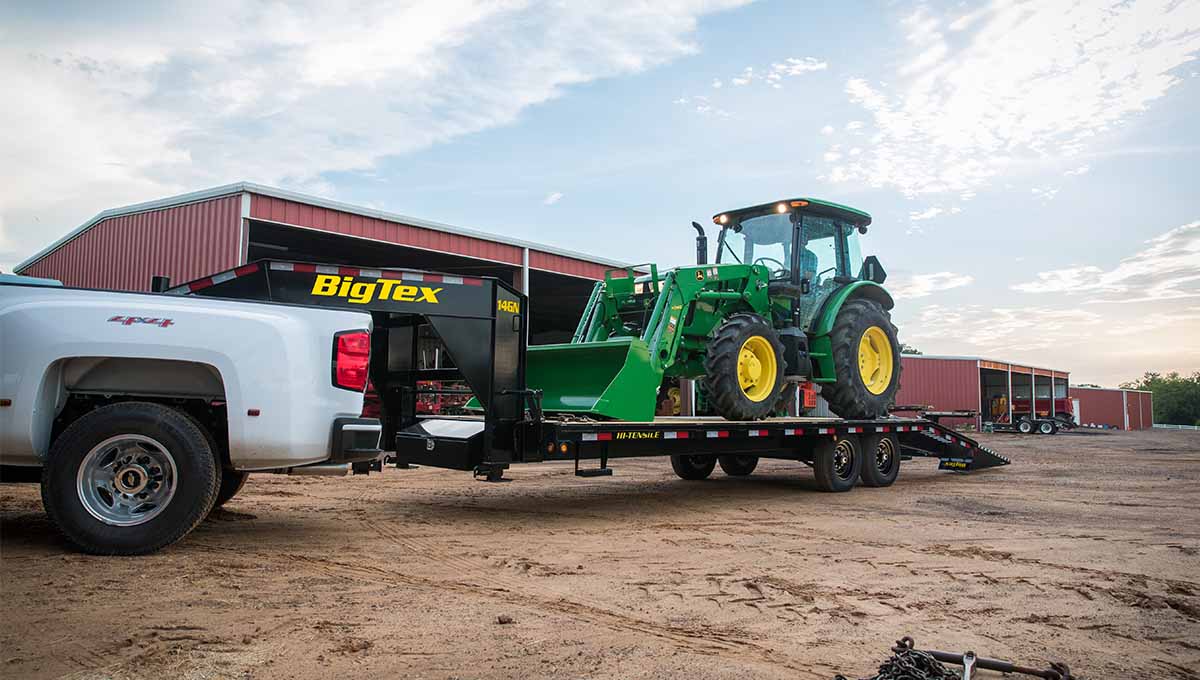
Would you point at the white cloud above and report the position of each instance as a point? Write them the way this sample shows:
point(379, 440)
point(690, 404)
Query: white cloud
point(717, 84)
point(1001, 329)
point(1044, 194)
point(1020, 81)
point(553, 198)
point(774, 74)
point(1167, 268)
point(924, 285)
point(1156, 321)
point(136, 103)
point(1081, 170)
point(926, 214)
point(854, 125)
point(827, 130)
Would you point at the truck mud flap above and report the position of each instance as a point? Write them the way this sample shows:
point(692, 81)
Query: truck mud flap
point(953, 450)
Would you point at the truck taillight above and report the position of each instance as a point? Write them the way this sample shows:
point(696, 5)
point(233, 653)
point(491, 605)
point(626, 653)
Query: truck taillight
point(351, 356)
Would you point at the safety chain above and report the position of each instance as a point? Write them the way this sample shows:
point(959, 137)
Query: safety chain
point(910, 664)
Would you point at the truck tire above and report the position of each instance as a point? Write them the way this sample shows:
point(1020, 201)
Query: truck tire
point(737, 466)
point(693, 468)
point(881, 459)
point(1047, 427)
point(744, 368)
point(129, 478)
point(1025, 426)
point(837, 463)
point(866, 358)
point(231, 483)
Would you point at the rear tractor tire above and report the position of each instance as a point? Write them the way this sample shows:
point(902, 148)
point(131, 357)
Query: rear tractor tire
point(737, 466)
point(744, 368)
point(866, 357)
point(693, 468)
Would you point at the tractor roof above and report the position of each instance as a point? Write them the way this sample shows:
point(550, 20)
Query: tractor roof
point(813, 206)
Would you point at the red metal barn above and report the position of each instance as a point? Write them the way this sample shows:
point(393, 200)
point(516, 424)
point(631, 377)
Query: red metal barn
point(1115, 408)
point(999, 391)
point(193, 235)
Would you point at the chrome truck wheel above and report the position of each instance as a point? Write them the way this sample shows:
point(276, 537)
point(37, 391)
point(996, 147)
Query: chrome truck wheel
point(127, 480)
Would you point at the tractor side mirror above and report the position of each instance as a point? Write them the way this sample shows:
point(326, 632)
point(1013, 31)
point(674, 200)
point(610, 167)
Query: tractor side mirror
point(872, 270)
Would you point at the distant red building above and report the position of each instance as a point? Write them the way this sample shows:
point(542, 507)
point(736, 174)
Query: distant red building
point(1121, 409)
point(999, 391)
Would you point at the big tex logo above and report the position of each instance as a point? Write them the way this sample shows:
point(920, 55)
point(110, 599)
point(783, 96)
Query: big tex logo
point(362, 292)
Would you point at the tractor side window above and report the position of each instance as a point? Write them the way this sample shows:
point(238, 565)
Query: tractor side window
point(853, 250)
point(819, 256)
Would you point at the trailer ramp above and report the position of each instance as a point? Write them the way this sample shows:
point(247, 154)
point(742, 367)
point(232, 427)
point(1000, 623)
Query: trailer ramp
point(953, 450)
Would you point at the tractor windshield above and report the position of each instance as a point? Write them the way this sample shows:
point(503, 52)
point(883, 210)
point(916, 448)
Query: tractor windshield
point(766, 240)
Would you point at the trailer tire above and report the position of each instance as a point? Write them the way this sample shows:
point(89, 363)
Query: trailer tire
point(744, 368)
point(737, 466)
point(693, 467)
point(1025, 426)
point(1047, 427)
point(231, 484)
point(863, 338)
point(881, 460)
point(111, 458)
point(837, 463)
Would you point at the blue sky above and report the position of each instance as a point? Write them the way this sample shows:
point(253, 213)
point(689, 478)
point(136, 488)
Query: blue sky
point(1031, 167)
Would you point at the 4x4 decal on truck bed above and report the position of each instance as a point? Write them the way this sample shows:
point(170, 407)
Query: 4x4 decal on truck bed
point(130, 320)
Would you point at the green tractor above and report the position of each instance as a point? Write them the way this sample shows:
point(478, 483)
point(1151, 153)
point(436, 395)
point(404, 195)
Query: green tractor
point(783, 306)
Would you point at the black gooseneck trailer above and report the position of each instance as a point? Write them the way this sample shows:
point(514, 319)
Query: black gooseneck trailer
point(481, 323)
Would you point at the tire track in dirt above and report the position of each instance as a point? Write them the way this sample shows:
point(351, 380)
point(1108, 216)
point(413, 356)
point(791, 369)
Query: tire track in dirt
point(701, 641)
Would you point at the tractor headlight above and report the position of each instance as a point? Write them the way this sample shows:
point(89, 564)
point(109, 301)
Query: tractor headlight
point(781, 208)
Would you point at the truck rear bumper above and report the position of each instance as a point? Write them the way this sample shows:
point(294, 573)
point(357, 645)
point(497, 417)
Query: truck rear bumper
point(355, 440)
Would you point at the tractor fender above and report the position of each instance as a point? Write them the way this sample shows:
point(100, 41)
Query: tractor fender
point(823, 323)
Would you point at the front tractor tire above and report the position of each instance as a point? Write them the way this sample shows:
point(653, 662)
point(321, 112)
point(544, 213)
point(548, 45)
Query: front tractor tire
point(866, 357)
point(744, 368)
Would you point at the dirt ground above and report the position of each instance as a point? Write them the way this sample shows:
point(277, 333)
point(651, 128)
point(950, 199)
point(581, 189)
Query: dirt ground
point(1086, 550)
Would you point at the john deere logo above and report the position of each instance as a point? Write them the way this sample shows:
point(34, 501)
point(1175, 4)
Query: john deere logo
point(510, 306)
point(699, 274)
point(638, 435)
point(362, 292)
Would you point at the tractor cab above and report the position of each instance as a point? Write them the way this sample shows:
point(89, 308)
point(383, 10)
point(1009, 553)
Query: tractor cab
point(808, 244)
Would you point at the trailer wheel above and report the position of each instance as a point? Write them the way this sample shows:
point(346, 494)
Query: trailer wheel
point(881, 459)
point(866, 358)
point(1047, 427)
point(232, 482)
point(693, 468)
point(837, 463)
point(737, 466)
point(1025, 426)
point(743, 368)
point(129, 478)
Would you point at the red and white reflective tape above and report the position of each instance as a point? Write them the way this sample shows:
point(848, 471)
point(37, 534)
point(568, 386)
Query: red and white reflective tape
point(825, 430)
point(759, 433)
point(401, 274)
point(793, 432)
point(597, 436)
point(717, 434)
point(854, 430)
point(675, 435)
point(883, 429)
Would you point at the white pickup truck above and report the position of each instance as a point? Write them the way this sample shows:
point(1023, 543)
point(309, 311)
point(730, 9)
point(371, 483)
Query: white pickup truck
point(145, 411)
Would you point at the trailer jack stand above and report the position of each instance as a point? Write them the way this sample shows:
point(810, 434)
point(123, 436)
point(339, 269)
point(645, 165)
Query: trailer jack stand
point(491, 472)
point(603, 471)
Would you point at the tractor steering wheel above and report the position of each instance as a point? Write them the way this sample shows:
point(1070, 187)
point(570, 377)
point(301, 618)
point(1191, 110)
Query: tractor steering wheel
point(778, 274)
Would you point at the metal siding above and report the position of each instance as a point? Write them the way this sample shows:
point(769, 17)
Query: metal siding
point(1100, 407)
point(944, 384)
point(121, 253)
point(297, 214)
point(1147, 410)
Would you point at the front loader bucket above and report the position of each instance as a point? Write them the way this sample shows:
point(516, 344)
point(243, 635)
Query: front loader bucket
point(611, 378)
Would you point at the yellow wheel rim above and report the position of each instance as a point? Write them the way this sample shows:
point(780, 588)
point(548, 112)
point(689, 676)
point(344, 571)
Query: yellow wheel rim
point(757, 368)
point(875, 361)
